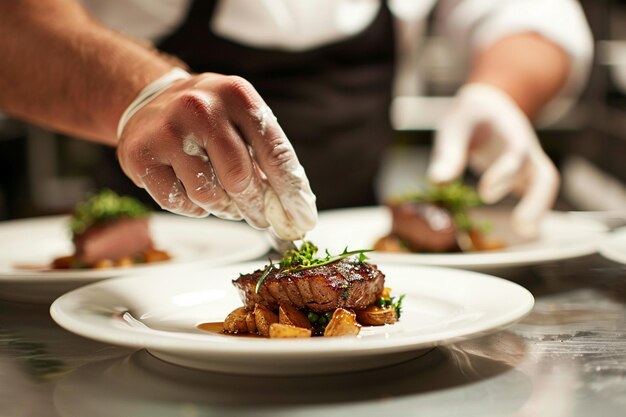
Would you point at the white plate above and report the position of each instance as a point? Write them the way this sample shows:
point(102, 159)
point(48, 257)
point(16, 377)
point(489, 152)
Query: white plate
point(161, 314)
point(614, 248)
point(191, 242)
point(562, 236)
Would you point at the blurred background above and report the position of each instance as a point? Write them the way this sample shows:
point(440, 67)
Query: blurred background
point(43, 173)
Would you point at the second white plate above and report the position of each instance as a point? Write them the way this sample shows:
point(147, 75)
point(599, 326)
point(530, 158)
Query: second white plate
point(562, 236)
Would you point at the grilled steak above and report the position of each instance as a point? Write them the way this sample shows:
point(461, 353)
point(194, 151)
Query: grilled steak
point(343, 283)
point(113, 240)
point(424, 227)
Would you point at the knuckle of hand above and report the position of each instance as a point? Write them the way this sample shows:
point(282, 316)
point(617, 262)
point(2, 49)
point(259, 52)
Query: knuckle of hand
point(241, 90)
point(194, 103)
point(134, 154)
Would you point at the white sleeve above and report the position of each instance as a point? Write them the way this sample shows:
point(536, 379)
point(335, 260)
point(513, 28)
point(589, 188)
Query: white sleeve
point(475, 24)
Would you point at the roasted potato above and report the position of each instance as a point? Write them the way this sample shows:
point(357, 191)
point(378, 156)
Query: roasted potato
point(376, 316)
point(235, 322)
point(104, 264)
point(390, 244)
point(343, 323)
point(484, 243)
point(125, 262)
point(290, 315)
point(278, 330)
point(251, 322)
point(264, 318)
point(386, 293)
point(155, 255)
point(64, 262)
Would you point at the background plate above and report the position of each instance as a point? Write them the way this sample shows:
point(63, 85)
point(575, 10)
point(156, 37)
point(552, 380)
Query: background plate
point(562, 236)
point(193, 243)
point(161, 314)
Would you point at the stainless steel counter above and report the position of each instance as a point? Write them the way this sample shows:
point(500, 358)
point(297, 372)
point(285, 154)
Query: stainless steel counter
point(567, 358)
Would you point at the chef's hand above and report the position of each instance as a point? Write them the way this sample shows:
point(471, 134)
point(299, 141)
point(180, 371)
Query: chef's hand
point(208, 144)
point(487, 130)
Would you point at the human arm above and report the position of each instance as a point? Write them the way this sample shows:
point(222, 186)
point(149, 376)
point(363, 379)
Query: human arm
point(63, 70)
point(188, 147)
point(526, 66)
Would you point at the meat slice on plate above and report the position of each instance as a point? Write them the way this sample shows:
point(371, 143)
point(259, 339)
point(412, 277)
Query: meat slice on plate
point(341, 284)
point(113, 240)
point(424, 227)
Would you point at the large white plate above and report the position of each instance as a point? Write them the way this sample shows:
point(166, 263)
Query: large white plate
point(191, 242)
point(614, 247)
point(161, 314)
point(562, 236)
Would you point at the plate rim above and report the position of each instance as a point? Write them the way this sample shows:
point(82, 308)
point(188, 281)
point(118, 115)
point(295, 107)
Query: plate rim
point(196, 343)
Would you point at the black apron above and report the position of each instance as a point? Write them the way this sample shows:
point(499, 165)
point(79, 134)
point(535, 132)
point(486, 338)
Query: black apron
point(332, 101)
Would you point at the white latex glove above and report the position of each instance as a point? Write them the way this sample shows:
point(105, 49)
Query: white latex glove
point(208, 144)
point(486, 129)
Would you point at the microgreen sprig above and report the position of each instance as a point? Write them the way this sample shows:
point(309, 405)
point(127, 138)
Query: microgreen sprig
point(105, 206)
point(295, 260)
point(455, 196)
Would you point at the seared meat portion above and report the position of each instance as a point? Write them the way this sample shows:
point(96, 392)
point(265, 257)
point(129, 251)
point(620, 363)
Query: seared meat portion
point(343, 283)
point(424, 227)
point(113, 240)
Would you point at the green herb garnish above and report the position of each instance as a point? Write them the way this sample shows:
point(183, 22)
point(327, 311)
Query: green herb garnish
point(455, 197)
point(102, 207)
point(304, 258)
point(319, 321)
point(391, 302)
point(397, 305)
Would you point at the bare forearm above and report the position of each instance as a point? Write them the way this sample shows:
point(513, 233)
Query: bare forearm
point(526, 66)
point(64, 71)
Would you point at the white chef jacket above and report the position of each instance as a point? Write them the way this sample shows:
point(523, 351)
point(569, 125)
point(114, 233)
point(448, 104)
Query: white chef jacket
point(298, 25)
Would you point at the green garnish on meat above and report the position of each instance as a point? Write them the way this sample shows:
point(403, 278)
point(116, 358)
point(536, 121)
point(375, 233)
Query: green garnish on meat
point(105, 206)
point(455, 197)
point(305, 258)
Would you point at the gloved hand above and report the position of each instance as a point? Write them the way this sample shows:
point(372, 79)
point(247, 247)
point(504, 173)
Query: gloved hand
point(208, 144)
point(486, 129)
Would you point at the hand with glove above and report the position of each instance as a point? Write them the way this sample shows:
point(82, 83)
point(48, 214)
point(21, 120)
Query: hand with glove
point(208, 144)
point(198, 144)
point(488, 131)
point(488, 127)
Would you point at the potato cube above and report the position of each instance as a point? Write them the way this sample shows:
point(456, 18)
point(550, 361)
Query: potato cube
point(288, 314)
point(235, 322)
point(281, 331)
point(376, 316)
point(264, 318)
point(343, 323)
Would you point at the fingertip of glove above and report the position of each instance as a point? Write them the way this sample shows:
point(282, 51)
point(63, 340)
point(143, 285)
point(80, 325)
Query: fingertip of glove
point(439, 173)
